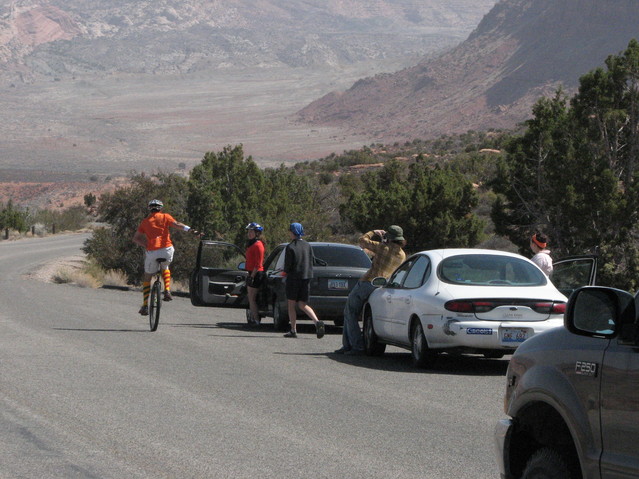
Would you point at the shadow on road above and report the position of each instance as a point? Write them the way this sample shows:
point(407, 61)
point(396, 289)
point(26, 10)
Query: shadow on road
point(398, 361)
point(101, 330)
point(303, 329)
point(466, 365)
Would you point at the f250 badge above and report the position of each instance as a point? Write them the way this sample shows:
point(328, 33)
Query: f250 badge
point(585, 368)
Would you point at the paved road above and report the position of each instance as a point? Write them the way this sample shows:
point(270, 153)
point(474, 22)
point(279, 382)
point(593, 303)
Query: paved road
point(86, 391)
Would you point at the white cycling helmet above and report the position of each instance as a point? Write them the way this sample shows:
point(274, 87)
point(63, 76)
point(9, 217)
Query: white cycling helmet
point(155, 205)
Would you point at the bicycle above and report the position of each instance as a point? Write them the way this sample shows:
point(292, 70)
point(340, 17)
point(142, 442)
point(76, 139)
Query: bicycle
point(155, 301)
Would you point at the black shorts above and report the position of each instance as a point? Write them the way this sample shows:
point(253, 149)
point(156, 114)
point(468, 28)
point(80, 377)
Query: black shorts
point(256, 281)
point(298, 289)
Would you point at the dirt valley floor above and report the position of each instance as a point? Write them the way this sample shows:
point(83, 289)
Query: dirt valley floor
point(64, 139)
point(120, 123)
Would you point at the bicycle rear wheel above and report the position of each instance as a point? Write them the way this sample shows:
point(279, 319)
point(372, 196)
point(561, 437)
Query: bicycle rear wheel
point(155, 302)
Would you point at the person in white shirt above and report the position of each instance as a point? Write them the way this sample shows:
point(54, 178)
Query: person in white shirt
point(538, 245)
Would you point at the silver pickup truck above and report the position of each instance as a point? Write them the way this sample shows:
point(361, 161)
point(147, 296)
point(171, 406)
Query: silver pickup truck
point(572, 394)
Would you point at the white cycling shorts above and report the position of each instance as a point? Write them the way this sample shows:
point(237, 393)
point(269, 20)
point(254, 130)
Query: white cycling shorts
point(150, 261)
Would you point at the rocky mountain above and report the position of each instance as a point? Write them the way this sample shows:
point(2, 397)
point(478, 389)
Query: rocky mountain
point(521, 50)
point(58, 38)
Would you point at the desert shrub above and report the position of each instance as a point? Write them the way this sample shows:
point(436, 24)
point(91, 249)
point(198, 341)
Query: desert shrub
point(227, 191)
point(434, 206)
point(71, 219)
point(12, 217)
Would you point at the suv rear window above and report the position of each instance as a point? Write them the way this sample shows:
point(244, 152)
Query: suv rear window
point(490, 270)
point(341, 256)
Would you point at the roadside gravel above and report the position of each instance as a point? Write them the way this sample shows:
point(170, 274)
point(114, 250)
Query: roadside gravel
point(47, 271)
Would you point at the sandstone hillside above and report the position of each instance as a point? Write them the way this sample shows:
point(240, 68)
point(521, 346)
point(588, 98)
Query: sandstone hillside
point(521, 50)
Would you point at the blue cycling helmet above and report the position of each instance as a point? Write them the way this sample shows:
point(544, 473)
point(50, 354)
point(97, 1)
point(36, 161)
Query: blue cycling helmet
point(255, 227)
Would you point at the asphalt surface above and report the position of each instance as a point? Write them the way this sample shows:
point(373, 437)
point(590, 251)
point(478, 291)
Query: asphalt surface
point(87, 391)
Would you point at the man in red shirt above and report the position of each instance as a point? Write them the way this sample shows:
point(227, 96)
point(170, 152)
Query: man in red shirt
point(153, 235)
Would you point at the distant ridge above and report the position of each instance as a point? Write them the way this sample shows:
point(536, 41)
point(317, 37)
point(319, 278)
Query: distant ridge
point(61, 38)
point(521, 50)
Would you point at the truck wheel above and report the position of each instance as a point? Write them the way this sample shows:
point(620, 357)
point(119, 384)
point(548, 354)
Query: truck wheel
point(546, 463)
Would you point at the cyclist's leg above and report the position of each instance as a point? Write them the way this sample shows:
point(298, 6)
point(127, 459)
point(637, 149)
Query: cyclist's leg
point(146, 289)
point(146, 281)
point(166, 276)
point(166, 273)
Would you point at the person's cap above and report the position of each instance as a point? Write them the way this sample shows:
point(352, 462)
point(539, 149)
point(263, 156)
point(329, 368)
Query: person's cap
point(395, 233)
point(297, 229)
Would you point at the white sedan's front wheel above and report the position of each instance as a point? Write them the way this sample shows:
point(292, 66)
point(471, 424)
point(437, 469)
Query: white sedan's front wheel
point(372, 346)
point(423, 356)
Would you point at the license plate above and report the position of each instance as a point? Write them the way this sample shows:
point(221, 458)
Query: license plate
point(514, 335)
point(337, 284)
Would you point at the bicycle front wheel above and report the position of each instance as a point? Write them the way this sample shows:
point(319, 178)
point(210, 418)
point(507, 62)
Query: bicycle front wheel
point(155, 302)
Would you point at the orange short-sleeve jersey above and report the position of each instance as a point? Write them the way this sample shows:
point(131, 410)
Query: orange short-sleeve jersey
point(156, 230)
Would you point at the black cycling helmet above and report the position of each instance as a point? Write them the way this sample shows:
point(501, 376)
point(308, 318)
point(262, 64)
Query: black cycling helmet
point(255, 227)
point(155, 205)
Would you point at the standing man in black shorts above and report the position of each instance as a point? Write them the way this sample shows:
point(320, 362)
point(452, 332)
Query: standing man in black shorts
point(298, 266)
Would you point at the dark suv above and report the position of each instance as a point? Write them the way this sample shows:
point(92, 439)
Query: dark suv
point(573, 394)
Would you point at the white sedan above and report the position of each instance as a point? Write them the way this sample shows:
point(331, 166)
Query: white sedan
point(462, 300)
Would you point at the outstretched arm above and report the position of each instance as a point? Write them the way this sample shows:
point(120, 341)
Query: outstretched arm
point(184, 227)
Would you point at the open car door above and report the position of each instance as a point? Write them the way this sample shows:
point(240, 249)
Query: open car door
point(217, 279)
point(573, 272)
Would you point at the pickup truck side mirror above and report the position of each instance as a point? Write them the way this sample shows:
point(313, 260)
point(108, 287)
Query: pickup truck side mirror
point(598, 311)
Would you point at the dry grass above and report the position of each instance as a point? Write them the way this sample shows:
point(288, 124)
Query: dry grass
point(75, 276)
point(114, 278)
point(88, 274)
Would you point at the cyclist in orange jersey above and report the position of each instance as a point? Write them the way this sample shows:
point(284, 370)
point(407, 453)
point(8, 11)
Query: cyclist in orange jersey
point(154, 236)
